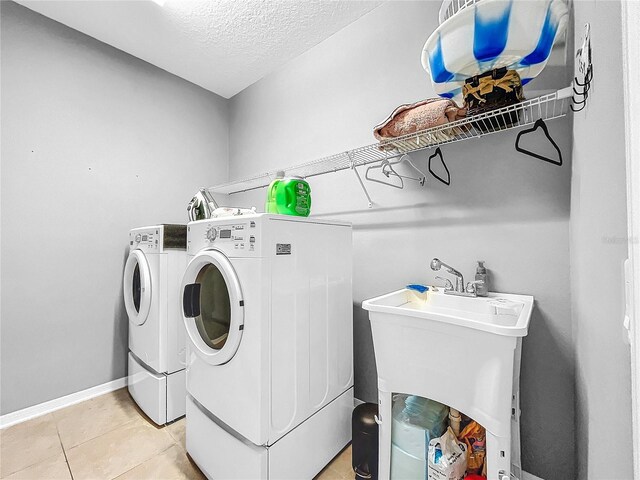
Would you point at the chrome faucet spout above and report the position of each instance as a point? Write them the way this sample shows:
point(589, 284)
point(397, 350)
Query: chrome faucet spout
point(437, 264)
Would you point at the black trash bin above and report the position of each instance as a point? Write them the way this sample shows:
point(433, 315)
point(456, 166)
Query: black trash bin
point(364, 430)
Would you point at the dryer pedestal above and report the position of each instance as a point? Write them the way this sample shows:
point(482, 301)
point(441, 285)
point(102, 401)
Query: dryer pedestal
point(161, 396)
point(302, 453)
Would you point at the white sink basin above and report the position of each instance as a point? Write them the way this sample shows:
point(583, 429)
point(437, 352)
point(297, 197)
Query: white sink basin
point(499, 313)
point(463, 352)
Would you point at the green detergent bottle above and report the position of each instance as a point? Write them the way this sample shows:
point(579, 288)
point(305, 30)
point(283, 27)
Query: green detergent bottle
point(271, 205)
point(293, 197)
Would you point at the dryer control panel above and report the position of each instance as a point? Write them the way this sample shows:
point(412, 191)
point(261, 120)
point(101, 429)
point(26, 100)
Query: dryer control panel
point(162, 238)
point(234, 237)
point(146, 239)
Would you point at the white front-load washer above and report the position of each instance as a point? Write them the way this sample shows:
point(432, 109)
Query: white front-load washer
point(156, 364)
point(267, 305)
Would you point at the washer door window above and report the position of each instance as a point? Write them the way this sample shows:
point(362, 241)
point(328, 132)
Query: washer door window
point(137, 287)
point(213, 307)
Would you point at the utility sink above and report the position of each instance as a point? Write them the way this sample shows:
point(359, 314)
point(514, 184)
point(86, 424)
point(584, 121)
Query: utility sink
point(461, 351)
point(499, 313)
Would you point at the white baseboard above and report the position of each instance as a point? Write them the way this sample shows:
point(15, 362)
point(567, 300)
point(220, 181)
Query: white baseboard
point(58, 403)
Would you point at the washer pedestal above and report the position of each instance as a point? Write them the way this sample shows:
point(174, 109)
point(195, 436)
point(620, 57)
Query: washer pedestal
point(302, 453)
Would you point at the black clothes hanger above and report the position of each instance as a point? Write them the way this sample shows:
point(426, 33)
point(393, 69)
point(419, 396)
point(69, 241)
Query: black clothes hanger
point(438, 152)
point(539, 124)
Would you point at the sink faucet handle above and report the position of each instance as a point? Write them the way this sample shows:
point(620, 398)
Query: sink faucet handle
point(448, 285)
point(473, 286)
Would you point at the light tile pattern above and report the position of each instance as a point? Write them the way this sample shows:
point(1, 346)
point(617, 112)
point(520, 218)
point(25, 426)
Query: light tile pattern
point(172, 463)
point(339, 468)
point(179, 433)
point(117, 451)
point(95, 417)
point(53, 468)
point(28, 443)
point(108, 437)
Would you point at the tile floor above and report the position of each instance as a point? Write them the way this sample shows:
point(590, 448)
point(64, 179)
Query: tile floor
point(108, 437)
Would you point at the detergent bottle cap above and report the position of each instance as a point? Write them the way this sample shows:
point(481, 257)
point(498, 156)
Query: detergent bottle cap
point(481, 268)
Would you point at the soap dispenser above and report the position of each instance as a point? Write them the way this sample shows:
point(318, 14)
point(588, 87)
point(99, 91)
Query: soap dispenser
point(482, 289)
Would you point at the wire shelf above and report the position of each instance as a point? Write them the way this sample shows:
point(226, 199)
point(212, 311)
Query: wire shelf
point(451, 7)
point(545, 107)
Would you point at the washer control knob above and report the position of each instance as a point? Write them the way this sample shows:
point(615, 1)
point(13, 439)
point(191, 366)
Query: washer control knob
point(138, 238)
point(212, 234)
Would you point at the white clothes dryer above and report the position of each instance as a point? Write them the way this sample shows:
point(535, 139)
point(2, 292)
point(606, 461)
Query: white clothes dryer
point(267, 305)
point(156, 363)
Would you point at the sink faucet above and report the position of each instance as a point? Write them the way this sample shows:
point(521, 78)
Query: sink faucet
point(436, 265)
point(459, 289)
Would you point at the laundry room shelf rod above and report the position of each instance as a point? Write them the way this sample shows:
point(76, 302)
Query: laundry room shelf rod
point(545, 107)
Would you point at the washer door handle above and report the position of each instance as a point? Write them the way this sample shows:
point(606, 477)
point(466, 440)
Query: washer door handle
point(191, 300)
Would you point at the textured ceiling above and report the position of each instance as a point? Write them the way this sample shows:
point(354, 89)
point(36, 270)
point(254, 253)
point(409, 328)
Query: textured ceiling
point(221, 45)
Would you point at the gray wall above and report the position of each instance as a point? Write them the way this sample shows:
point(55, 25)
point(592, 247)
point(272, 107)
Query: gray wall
point(598, 250)
point(94, 142)
point(508, 209)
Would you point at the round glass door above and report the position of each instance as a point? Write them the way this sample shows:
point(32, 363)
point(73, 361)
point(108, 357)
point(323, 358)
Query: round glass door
point(213, 307)
point(137, 287)
point(214, 321)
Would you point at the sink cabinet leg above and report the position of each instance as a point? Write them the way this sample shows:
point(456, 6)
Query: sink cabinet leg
point(385, 402)
point(498, 457)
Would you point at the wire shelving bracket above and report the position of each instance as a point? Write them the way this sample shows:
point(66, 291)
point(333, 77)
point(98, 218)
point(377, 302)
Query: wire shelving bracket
point(352, 165)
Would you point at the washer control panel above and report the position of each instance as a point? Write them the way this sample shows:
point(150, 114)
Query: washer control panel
point(233, 236)
point(236, 234)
